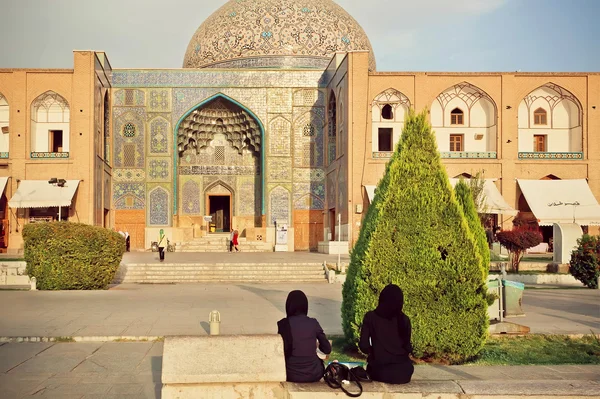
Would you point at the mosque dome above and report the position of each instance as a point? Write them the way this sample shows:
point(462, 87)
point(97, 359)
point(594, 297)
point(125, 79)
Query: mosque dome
point(275, 33)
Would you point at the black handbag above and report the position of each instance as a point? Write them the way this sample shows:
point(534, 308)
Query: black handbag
point(338, 375)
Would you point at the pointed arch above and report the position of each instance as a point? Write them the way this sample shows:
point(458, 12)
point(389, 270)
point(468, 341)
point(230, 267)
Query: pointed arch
point(158, 209)
point(388, 111)
point(465, 114)
point(4, 126)
point(331, 127)
point(550, 122)
point(50, 124)
point(261, 143)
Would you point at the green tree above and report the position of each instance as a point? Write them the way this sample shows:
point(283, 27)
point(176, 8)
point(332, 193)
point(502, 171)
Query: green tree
point(585, 261)
point(465, 198)
point(415, 235)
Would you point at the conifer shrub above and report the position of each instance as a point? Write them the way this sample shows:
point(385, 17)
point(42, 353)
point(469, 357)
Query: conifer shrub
point(72, 256)
point(517, 241)
point(467, 204)
point(585, 261)
point(416, 236)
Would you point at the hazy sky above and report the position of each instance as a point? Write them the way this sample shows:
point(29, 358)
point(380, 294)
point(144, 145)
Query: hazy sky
point(407, 35)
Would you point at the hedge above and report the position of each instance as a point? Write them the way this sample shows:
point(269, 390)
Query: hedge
point(585, 261)
point(72, 256)
point(416, 236)
point(467, 204)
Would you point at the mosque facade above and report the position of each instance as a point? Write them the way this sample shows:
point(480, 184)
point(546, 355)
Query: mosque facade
point(279, 117)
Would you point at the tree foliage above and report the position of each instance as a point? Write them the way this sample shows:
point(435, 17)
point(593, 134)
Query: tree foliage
point(517, 241)
point(465, 198)
point(416, 236)
point(585, 261)
point(72, 256)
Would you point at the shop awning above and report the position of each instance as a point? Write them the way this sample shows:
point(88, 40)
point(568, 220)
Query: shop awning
point(3, 181)
point(561, 201)
point(494, 201)
point(41, 194)
point(370, 192)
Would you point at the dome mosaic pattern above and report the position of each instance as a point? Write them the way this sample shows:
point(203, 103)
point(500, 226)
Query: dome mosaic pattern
point(305, 33)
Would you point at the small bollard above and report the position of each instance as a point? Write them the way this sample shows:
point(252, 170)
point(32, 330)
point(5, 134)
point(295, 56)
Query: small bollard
point(33, 284)
point(503, 269)
point(214, 318)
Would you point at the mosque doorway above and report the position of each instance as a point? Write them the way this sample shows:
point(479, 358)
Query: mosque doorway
point(220, 209)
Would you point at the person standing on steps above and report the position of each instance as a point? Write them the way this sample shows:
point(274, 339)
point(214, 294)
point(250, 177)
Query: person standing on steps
point(231, 240)
point(161, 246)
point(236, 234)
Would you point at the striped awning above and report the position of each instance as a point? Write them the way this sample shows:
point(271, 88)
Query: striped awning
point(41, 194)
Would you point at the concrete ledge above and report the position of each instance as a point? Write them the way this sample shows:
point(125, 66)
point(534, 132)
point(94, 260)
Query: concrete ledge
point(542, 278)
point(223, 359)
point(459, 389)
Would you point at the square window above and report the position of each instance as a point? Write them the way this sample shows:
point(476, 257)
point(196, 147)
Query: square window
point(456, 143)
point(385, 138)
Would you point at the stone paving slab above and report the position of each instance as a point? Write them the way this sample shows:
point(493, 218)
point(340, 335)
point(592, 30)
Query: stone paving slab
point(160, 310)
point(133, 370)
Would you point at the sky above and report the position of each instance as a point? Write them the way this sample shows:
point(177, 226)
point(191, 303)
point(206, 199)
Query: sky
point(407, 35)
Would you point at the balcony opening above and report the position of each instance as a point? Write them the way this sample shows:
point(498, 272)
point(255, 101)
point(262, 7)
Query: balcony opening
point(385, 139)
point(456, 142)
point(540, 143)
point(387, 112)
point(55, 141)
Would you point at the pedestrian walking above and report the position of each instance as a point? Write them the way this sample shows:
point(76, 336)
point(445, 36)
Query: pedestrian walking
point(235, 240)
point(231, 240)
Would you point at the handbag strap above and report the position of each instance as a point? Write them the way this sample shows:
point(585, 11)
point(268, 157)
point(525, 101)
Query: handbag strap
point(335, 383)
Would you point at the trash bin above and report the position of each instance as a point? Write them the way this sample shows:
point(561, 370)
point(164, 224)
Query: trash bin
point(513, 298)
point(493, 287)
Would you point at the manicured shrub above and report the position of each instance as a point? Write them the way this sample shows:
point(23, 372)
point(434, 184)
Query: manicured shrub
point(72, 256)
point(585, 261)
point(415, 235)
point(517, 241)
point(466, 201)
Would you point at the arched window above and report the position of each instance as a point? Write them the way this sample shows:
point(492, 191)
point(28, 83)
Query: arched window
point(332, 129)
point(4, 126)
point(540, 117)
point(50, 117)
point(457, 117)
point(106, 128)
point(387, 112)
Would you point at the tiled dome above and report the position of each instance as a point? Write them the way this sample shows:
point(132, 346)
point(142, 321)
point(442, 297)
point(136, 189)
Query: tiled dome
point(275, 33)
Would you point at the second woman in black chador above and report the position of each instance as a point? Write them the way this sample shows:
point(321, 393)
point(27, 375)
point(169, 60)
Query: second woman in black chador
point(385, 338)
point(300, 334)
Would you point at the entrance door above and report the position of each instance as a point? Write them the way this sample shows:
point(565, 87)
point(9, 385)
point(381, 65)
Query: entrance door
point(220, 210)
point(308, 230)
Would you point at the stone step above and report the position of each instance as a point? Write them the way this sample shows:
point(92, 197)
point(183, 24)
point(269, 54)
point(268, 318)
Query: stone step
point(222, 271)
point(208, 275)
point(260, 279)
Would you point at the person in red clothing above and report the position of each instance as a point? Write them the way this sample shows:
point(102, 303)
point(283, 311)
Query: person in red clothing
point(236, 234)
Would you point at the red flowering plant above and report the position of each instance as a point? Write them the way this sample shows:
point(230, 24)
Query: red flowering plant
point(517, 241)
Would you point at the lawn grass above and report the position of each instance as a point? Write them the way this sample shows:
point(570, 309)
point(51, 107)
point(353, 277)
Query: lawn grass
point(512, 351)
point(539, 350)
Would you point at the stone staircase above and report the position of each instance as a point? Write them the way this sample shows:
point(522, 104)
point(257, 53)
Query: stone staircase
point(169, 273)
point(220, 243)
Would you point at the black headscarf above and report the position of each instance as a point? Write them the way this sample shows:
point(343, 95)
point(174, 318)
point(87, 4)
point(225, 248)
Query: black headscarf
point(295, 305)
point(391, 302)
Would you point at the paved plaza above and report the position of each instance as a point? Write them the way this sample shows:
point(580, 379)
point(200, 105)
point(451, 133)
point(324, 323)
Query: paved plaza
point(132, 310)
point(133, 370)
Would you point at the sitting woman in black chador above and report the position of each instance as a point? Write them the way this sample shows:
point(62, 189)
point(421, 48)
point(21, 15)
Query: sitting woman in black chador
point(385, 338)
point(300, 334)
